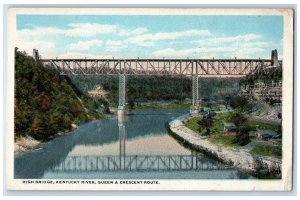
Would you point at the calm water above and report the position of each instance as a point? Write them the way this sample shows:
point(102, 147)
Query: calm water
point(139, 148)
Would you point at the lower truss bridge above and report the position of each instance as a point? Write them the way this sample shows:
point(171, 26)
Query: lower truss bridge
point(138, 163)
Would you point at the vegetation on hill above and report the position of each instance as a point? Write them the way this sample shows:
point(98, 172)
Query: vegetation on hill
point(266, 76)
point(47, 103)
point(157, 88)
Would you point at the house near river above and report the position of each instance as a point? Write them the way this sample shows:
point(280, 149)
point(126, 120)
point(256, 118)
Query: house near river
point(267, 134)
point(229, 128)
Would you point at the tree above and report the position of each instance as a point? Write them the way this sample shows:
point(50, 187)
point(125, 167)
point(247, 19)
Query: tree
point(241, 103)
point(76, 108)
point(207, 123)
point(237, 118)
point(242, 137)
point(130, 104)
point(39, 127)
point(44, 101)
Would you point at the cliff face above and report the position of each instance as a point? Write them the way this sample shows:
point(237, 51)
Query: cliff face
point(47, 103)
point(264, 85)
point(263, 90)
point(271, 93)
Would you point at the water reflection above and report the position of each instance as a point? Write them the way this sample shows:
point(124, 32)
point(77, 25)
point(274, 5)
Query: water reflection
point(138, 163)
point(122, 142)
point(135, 148)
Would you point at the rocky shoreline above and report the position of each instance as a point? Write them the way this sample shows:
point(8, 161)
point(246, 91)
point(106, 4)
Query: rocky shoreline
point(238, 158)
point(25, 144)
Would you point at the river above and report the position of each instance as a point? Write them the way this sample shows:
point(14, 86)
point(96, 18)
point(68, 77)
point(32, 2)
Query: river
point(139, 148)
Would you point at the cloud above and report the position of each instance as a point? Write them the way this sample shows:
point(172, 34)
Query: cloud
point(38, 33)
point(84, 45)
point(210, 52)
point(46, 38)
point(89, 29)
point(28, 46)
point(78, 55)
point(115, 45)
point(71, 30)
point(231, 39)
point(258, 44)
point(148, 39)
point(137, 31)
point(182, 44)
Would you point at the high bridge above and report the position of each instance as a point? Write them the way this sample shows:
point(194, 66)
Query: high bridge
point(217, 68)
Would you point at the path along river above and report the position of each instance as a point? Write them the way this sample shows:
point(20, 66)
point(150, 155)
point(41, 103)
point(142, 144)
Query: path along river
point(139, 148)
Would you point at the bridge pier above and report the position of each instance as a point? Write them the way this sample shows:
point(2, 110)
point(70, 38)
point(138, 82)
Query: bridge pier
point(195, 94)
point(122, 112)
point(122, 118)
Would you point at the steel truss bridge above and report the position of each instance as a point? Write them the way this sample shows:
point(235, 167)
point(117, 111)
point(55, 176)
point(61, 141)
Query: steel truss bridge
point(138, 163)
point(219, 68)
point(188, 67)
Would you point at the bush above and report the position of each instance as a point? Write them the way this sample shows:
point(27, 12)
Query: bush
point(268, 150)
point(242, 137)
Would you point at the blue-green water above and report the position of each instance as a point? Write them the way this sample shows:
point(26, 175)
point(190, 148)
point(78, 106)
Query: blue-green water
point(139, 148)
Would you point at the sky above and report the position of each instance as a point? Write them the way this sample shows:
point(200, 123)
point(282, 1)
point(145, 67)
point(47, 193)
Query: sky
point(159, 36)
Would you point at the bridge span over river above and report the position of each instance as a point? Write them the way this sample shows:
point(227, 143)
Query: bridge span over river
point(196, 68)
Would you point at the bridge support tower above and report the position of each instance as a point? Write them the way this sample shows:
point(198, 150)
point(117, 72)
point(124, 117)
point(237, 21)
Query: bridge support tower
point(122, 112)
point(195, 94)
point(274, 58)
point(36, 55)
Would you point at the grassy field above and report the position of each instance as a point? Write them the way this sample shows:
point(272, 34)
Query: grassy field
point(268, 150)
point(193, 125)
point(218, 126)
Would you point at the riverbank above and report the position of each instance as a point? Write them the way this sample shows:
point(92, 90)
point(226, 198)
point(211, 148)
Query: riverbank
point(239, 158)
point(26, 144)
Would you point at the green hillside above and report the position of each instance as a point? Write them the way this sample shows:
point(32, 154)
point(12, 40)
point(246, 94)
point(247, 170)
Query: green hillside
point(47, 103)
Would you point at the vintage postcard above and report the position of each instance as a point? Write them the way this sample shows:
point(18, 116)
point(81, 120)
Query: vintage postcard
point(149, 99)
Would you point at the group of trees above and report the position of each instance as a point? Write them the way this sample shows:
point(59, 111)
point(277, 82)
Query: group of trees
point(242, 135)
point(45, 102)
point(157, 88)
